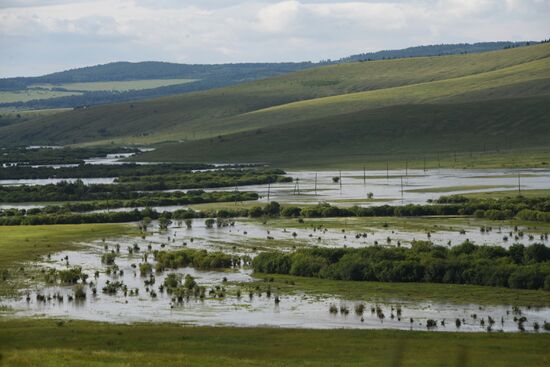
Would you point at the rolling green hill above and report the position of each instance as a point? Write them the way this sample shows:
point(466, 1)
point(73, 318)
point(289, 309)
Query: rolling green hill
point(395, 108)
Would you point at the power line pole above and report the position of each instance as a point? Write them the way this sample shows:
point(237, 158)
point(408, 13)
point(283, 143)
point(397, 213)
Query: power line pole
point(401, 189)
point(315, 183)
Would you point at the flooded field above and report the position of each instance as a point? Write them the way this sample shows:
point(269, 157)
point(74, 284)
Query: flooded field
point(374, 188)
point(228, 300)
point(397, 187)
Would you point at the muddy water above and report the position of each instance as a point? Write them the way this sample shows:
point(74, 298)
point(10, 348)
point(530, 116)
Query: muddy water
point(297, 310)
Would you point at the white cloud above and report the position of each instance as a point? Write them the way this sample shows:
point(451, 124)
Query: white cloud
point(61, 33)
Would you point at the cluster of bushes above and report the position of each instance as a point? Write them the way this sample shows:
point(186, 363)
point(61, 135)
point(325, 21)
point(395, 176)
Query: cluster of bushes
point(115, 194)
point(40, 156)
point(200, 259)
point(66, 276)
point(131, 188)
point(527, 209)
point(533, 209)
point(207, 179)
point(517, 267)
point(79, 218)
point(159, 199)
point(534, 215)
point(13, 217)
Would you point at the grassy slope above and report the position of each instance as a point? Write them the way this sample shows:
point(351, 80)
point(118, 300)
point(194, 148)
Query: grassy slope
point(77, 343)
point(355, 87)
point(399, 133)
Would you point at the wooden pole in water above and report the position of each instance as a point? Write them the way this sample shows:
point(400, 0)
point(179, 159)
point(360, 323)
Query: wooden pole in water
point(424, 164)
point(387, 170)
point(401, 189)
point(298, 185)
point(519, 182)
point(268, 190)
point(315, 183)
point(364, 176)
point(406, 168)
point(340, 180)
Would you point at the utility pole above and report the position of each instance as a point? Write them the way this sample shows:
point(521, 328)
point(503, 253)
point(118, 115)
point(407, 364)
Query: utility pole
point(315, 187)
point(401, 189)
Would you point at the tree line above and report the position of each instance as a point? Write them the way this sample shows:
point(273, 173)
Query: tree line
point(519, 266)
point(133, 187)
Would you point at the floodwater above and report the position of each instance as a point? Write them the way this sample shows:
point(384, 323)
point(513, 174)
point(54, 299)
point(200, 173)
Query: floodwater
point(397, 187)
point(294, 310)
point(47, 181)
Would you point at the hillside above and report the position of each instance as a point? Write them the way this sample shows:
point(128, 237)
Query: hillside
point(453, 99)
point(131, 81)
point(126, 81)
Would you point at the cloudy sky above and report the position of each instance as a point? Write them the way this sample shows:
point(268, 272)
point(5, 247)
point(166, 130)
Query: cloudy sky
point(37, 37)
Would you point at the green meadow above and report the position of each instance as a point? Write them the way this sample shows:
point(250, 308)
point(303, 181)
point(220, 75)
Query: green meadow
point(79, 343)
point(116, 85)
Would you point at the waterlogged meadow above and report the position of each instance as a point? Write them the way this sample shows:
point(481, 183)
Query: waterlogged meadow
point(127, 279)
point(196, 267)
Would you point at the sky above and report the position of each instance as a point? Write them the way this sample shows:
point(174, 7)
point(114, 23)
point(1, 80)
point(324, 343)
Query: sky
point(38, 37)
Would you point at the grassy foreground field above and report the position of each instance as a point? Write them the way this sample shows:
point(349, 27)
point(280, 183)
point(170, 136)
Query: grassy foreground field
point(78, 343)
point(26, 243)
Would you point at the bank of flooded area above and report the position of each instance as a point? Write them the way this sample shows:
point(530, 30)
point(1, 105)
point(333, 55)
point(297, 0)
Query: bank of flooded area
point(232, 297)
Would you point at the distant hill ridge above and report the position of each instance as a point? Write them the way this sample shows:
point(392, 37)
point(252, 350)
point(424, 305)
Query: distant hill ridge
point(125, 70)
point(436, 50)
point(205, 76)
